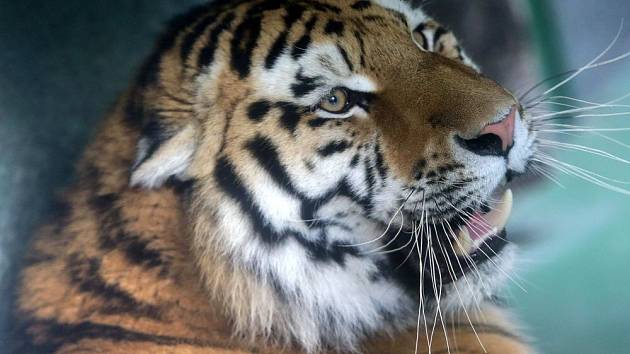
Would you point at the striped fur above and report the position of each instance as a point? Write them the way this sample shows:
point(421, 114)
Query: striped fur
point(220, 211)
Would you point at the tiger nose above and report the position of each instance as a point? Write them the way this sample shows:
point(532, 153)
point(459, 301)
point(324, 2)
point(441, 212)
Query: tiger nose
point(495, 138)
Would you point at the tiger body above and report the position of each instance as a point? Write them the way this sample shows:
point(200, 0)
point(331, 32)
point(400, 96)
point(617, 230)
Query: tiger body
point(221, 209)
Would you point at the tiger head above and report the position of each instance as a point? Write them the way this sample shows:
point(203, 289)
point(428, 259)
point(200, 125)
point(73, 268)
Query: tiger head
point(345, 159)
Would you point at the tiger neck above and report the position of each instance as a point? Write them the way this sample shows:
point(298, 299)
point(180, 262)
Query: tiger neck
point(316, 282)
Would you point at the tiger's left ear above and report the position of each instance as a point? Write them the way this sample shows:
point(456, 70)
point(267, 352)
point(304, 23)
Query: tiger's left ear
point(432, 37)
point(163, 153)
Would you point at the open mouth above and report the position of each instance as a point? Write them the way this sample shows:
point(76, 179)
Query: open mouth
point(478, 239)
point(458, 246)
point(481, 227)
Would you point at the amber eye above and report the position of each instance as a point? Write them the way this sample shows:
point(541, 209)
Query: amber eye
point(336, 101)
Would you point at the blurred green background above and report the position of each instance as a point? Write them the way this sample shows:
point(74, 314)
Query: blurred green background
point(62, 65)
point(575, 267)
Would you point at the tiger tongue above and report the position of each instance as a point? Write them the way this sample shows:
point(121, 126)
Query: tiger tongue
point(481, 226)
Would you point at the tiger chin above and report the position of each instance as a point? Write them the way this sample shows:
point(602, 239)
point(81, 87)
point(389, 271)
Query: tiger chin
point(303, 176)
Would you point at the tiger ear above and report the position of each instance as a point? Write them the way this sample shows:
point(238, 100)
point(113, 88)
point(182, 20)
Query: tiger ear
point(162, 154)
point(432, 37)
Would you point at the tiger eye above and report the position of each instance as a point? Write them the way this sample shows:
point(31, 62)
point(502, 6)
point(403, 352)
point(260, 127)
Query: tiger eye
point(335, 102)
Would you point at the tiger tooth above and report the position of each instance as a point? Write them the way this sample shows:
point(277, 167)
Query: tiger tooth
point(464, 242)
point(498, 218)
point(495, 221)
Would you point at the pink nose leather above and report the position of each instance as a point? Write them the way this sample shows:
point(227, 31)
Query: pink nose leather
point(503, 129)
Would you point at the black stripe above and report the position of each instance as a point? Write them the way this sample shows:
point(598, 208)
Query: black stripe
point(112, 235)
point(243, 44)
point(346, 190)
point(371, 181)
point(231, 183)
point(300, 47)
point(304, 85)
point(247, 33)
point(374, 18)
point(154, 135)
point(439, 32)
point(139, 252)
point(401, 17)
point(361, 5)
point(276, 50)
point(334, 26)
point(257, 110)
point(418, 169)
point(294, 13)
point(324, 7)
point(291, 115)
point(336, 251)
point(334, 147)
point(266, 154)
point(84, 272)
point(206, 55)
point(357, 35)
point(150, 70)
point(380, 161)
point(355, 161)
point(318, 122)
point(52, 335)
point(191, 38)
point(420, 31)
point(346, 58)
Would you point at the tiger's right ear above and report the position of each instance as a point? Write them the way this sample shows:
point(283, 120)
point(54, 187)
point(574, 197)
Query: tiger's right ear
point(163, 153)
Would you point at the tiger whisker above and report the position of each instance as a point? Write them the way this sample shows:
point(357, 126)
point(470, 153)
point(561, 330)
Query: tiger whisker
point(464, 216)
point(437, 291)
point(453, 278)
point(385, 246)
point(415, 233)
point(592, 64)
point(547, 174)
point(581, 148)
point(582, 173)
point(391, 220)
point(469, 261)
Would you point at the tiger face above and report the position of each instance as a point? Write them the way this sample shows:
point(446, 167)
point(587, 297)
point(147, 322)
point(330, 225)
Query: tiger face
point(345, 161)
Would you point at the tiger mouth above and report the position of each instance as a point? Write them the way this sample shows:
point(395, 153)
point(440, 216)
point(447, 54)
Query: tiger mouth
point(478, 239)
point(481, 227)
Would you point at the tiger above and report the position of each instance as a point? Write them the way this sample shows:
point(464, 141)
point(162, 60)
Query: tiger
point(304, 176)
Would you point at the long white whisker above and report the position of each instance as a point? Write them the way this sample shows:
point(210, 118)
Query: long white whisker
point(569, 113)
point(581, 170)
point(539, 169)
point(389, 224)
point(439, 305)
point(582, 174)
point(591, 63)
point(586, 149)
point(453, 277)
